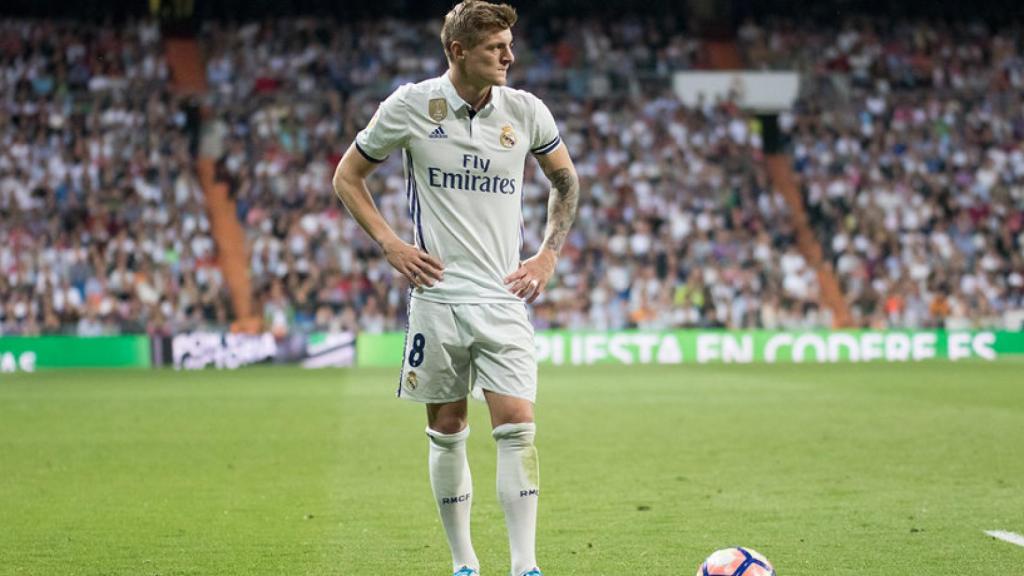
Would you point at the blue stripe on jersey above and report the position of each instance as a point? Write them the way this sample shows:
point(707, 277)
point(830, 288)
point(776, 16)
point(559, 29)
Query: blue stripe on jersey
point(412, 197)
point(418, 211)
point(549, 147)
point(367, 156)
point(522, 223)
point(417, 208)
point(408, 190)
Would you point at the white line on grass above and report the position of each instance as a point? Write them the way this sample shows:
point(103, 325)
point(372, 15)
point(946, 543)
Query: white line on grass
point(1005, 536)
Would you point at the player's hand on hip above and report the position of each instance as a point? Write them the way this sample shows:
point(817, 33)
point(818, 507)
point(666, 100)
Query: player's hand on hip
point(418, 267)
point(532, 276)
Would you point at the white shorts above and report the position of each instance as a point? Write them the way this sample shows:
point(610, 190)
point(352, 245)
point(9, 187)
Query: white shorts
point(449, 348)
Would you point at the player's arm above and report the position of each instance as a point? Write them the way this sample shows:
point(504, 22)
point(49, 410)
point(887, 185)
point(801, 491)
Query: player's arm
point(420, 268)
point(563, 200)
point(532, 276)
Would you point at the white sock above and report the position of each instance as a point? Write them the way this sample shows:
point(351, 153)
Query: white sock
point(519, 490)
point(453, 491)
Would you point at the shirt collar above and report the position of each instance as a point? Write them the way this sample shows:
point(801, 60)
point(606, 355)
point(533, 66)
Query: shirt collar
point(456, 103)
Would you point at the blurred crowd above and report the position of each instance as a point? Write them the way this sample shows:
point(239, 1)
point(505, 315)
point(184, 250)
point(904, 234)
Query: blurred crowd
point(905, 141)
point(102, 223)
point(908, 144)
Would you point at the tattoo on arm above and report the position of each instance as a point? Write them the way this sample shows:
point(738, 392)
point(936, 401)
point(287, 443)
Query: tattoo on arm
point(562, 203)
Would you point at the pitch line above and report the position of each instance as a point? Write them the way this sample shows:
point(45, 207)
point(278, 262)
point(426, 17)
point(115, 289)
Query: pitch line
point(1011, 537)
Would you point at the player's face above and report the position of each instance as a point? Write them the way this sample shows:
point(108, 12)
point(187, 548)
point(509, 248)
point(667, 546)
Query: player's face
point(488, 62)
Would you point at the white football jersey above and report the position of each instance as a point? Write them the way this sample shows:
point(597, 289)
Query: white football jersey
point(464, 179)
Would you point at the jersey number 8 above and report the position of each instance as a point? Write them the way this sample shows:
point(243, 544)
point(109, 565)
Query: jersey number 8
point(416, 353)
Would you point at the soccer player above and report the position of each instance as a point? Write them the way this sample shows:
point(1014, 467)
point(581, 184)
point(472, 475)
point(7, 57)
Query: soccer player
point(464, 138)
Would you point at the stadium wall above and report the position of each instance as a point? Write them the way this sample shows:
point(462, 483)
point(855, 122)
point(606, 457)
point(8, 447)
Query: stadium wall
point(741, 347)
point(26, 354)
point(225, 350)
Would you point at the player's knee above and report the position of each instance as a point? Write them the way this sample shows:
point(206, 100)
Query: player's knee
point(509, 410)
point(519, 434)
point(448, 425)
point(449, 418)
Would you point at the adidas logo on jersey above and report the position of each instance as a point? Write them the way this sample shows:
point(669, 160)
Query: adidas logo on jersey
point(438, 133)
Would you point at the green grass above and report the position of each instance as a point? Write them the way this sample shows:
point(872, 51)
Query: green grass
point(846, 470)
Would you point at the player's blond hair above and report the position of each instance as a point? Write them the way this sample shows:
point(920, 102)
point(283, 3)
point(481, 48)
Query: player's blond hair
point(470, 20)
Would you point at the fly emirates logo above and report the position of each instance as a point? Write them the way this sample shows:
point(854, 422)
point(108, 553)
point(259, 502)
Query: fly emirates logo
point(472, 178)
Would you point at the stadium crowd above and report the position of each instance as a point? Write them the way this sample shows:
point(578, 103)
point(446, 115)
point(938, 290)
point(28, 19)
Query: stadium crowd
point(908, 146)
point(905, 143)
point(103, 227)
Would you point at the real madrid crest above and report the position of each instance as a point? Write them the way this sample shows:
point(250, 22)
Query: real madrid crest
point(508, 136)
point(410, 380)
point(437, 109)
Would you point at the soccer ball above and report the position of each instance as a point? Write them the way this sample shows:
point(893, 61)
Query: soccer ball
point(736, 562)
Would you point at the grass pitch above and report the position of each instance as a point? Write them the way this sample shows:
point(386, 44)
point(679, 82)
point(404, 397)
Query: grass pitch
point(844, 470)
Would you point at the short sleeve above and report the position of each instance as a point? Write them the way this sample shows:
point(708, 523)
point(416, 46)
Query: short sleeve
point(544, 138)
point(387, 130)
